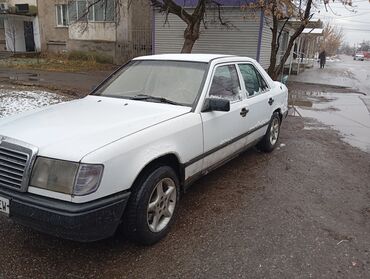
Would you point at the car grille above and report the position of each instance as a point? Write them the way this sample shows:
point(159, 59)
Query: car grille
point(16, 161)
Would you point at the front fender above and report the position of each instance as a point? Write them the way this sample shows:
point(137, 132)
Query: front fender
point(124, 159)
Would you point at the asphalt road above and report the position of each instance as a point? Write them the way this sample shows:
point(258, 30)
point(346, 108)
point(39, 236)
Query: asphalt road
point(302, 211)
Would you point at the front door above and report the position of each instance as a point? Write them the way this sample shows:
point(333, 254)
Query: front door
point(223, 130)
point(29, 36)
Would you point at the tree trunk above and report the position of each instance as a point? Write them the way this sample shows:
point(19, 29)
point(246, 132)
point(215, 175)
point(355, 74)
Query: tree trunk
point(274, 47)
point(187, 46)
point(191, 35)
point(274, 74)
point(278, 70)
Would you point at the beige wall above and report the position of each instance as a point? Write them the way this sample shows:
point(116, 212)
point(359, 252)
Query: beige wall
point(140, 14)
point(134, 34)
point(53, 38)
point(93, 31)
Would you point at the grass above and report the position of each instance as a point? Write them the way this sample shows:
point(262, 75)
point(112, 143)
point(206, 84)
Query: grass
point(75, 61)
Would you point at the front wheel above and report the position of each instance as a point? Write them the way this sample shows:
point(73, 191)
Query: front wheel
point(269, 141)
point(152, 206)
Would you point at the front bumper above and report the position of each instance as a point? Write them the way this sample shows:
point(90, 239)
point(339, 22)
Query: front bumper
point(86, 222)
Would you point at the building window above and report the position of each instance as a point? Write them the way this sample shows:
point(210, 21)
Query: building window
point(96, 11)
point(62, 15)
point(1, 23)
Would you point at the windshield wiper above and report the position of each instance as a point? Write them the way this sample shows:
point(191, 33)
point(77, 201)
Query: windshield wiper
point(144, 97)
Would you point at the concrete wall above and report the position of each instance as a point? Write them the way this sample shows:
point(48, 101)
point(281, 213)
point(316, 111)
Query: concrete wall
point(53, 38)
point(140, 15)
point(107, 48)
point(93, 31)
point(134, 31)
point(14, 35)
point(37, 33)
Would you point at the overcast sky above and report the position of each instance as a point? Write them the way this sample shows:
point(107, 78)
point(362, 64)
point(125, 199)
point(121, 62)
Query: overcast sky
point(356, 26)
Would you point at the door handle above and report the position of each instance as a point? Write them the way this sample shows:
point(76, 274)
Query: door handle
point(244, 112)
point(271, 101)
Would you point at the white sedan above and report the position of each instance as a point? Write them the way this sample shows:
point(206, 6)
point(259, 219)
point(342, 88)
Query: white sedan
point(123, 155)
point(359, 57)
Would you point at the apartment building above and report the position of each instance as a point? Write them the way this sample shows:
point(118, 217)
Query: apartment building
point(113, 27)
point(19, 27)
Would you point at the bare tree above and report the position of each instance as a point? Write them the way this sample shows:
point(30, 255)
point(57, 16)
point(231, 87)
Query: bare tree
point(332, 39)
point(283, 11)
point(280, 12)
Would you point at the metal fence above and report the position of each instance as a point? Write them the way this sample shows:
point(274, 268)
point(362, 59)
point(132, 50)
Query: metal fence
point(138, 44)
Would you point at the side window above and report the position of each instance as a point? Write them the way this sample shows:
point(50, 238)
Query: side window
point(263, 83)
point(251, 80)
point(254, 82)
point(225, 83)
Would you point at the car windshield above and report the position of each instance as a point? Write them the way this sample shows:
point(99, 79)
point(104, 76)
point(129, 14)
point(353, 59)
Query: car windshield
point(174, 82)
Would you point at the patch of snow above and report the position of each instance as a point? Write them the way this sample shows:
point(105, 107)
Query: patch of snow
point(13, 101)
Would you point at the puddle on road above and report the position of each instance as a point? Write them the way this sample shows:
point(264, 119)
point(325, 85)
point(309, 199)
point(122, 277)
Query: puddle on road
point(346, 113)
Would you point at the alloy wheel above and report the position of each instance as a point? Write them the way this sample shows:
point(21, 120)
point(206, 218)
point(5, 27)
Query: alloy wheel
point(161, 205)
point(274, 131)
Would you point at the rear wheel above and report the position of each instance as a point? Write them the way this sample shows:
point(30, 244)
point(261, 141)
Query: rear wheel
point(269, 141)
point(152, 206)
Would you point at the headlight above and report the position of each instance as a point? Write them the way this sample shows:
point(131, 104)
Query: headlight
point(66, 177)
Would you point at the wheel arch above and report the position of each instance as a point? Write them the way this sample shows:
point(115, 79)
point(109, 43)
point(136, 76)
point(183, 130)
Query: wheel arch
point(278, 110)
point(169, 159)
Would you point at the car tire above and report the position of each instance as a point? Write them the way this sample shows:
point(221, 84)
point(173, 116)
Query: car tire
point(152, 206)
point(269, 141)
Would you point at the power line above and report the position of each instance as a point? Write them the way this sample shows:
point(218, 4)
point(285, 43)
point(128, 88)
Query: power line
point(356, 29)
point(368, 22)
point(339, 16)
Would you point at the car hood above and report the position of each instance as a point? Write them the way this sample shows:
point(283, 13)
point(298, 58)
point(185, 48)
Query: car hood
point(73, 129)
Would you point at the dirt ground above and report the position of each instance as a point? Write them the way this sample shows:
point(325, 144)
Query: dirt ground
point(302, 211)
point(72, 84)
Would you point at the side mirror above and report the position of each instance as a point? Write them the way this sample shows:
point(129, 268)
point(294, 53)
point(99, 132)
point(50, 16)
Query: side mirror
point(216, 104)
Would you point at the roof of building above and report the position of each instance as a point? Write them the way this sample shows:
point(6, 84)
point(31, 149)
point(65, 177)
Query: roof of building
point(316, 31)
point(184, 57)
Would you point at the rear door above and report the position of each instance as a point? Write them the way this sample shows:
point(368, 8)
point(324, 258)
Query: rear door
point(259, 100)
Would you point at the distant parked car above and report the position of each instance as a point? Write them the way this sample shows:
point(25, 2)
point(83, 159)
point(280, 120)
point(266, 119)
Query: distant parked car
point(122, 155)
point(359, 57)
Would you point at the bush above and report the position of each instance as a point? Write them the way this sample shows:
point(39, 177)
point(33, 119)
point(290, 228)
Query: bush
point(90, 56)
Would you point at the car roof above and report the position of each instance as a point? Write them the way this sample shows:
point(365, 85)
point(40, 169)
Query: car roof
point(187, 57)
